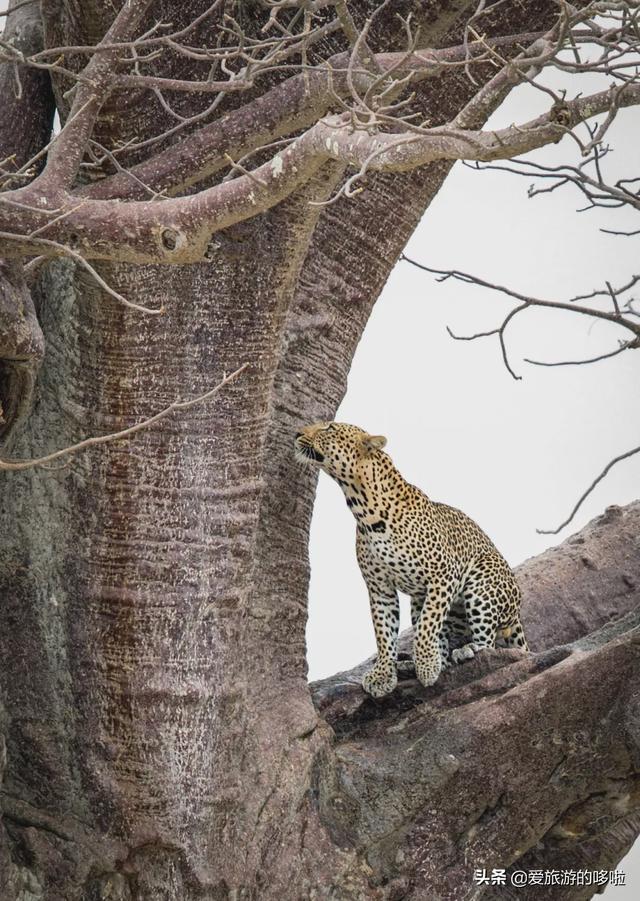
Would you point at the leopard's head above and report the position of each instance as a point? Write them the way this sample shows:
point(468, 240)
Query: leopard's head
point(336, 447)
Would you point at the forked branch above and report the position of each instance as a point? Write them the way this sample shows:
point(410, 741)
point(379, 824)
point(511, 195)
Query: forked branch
point(356, 108)
point(623, 314)
point(587, 492)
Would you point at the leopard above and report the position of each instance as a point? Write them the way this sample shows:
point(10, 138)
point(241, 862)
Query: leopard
point(464, 595)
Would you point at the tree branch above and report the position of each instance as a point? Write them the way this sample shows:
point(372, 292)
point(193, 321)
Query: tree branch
point(176, 406)
point(66, 153)
point(587, 492)
point(526, 302)
point(287, 108)
point(179, 230)
point(560, 782)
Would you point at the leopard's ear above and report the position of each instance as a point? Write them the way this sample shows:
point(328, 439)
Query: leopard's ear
point(373, 442)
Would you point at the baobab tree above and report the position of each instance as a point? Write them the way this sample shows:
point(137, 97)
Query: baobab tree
point(188, 265)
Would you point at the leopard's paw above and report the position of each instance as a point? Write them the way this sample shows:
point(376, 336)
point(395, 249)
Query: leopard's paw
point(380, 681)
point(466, 652)
point(428, 671)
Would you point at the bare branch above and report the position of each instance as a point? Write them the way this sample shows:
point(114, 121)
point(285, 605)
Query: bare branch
point(586, 494)
point(143, 226)
point(626, 345)
point(176, 406)
point(446, 142)
point(611, 231)
point(65, 154)
point(16, 6)
point(287, 108)
point(376, 131)
point(500, 333)
point(598, 192)
point(527, 302)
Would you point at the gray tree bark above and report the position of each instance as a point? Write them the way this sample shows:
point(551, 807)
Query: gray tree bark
point(161, 738)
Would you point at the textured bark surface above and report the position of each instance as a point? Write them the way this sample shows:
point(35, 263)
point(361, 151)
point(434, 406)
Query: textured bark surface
point(21, 349)
point(161, 739)
point(522, 764)
point(26, 116)
point(27, 99)
point(590, 579)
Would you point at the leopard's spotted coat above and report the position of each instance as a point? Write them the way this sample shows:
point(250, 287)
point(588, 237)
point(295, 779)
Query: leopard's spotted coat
point(458, 582)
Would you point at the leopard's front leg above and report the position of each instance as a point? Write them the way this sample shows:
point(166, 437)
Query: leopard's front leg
point(385, 612)
point(426, 643)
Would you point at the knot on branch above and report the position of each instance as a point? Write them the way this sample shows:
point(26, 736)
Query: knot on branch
point(21, 348)
point(560, 113)
point(172, 239)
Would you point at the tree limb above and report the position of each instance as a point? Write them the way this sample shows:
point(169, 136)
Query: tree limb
point(510, 761)
point(142, 226)
point(589, 489)
point(289, 107)
point(66, 153)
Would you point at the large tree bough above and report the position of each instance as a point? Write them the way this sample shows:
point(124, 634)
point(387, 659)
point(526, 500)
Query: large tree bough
point(512, 760)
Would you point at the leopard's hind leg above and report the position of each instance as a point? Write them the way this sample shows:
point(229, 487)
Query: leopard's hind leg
point(454, 630)
point(513, 635)
point(491, 599)
point(454, 624)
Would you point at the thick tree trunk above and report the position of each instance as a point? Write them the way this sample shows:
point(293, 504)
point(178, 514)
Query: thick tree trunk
point(161, 738)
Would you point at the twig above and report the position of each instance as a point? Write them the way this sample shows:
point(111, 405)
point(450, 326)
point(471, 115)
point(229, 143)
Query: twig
point(13, 465)
point(7, 12)
point(627, 345)
point(63, 250)
point(526, 302)
point(586, 494)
